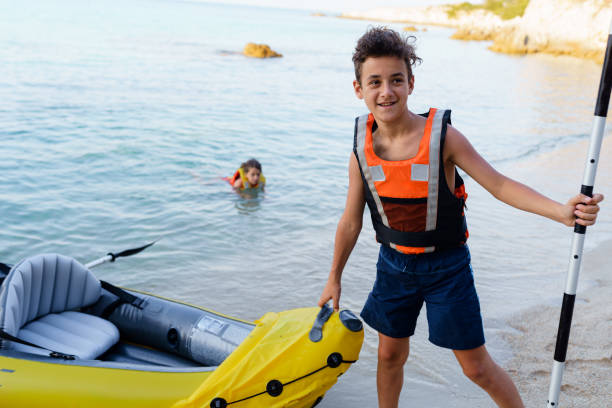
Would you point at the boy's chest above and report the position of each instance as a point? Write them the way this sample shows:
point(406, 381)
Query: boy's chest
point(396, 149)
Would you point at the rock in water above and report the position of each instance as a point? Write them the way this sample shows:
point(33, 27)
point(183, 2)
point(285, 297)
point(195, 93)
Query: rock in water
point(260, 51)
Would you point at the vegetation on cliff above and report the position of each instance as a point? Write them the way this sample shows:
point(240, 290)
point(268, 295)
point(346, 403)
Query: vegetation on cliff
point(505, 9)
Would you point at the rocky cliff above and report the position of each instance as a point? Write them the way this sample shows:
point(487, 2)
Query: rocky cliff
point(573, 27)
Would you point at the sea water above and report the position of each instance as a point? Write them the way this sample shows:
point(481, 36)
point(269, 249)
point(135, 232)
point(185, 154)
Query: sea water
point(118, 121)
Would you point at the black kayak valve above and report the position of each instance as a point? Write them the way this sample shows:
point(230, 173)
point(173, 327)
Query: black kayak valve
point(218, 403)
point(173, 338)
point(334, 360)
point(274, 388)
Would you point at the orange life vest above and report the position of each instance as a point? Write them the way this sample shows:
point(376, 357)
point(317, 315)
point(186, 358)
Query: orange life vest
point(412, 208)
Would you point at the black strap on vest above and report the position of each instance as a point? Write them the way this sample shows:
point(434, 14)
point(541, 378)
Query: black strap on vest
point(55, 354)
point(122, 297)
point(438, 238)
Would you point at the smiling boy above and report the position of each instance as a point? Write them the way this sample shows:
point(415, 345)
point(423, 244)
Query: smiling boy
point(404, 167)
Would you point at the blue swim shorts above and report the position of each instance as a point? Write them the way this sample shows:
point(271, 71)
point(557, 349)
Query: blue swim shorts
point(443, 280)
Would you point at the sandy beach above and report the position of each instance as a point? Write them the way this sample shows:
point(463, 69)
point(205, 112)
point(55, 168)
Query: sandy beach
point(587, 381)
point(588, 371)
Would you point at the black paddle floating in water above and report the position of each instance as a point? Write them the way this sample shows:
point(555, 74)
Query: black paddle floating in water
point(110, 257)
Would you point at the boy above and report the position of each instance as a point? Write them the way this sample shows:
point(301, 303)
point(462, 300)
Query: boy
point(403, 167)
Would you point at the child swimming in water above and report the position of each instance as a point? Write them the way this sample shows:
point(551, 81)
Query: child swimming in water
point(248, 177)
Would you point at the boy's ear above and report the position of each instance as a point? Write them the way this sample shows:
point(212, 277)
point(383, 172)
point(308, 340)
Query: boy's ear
point(411, 85)
point(357, 88)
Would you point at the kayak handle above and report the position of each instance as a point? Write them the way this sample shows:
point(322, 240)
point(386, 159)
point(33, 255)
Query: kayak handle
point(316, 333)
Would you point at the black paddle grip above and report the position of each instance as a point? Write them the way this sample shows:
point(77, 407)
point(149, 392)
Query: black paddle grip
point(605, 84)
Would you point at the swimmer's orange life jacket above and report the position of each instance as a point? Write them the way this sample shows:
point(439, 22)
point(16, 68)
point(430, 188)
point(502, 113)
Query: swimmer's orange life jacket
point(412, 208)
point(245, 182)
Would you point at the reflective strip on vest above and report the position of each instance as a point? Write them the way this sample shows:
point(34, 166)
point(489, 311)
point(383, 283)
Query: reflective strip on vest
point(433, 175)
point(362, 125)
point(433, 183)
point(434, 171)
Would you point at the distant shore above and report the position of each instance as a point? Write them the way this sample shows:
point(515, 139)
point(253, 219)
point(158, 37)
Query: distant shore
point(560, 27)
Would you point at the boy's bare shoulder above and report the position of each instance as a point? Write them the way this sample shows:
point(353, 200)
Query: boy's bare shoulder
point(454, 141)
point(453, 135)
point(453, 131)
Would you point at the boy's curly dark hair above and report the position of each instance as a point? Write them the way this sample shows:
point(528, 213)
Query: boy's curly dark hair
point(384, 42)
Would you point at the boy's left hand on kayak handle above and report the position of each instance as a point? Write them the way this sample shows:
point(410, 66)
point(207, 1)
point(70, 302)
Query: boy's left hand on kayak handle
point(583, 209)
point(331, 291)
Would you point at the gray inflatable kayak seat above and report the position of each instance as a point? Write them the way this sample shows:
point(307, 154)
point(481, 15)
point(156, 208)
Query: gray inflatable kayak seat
point(38, 303)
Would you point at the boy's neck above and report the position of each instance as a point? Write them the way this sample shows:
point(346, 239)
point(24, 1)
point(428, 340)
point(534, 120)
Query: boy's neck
point(398, 128)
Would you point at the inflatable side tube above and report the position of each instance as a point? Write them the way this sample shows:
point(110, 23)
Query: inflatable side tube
point(200, 335)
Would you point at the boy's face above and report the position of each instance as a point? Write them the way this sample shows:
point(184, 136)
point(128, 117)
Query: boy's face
point(252, 176)
point(384, 87)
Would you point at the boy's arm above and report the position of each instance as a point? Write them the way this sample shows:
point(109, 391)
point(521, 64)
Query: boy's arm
point(579, 209)
point(347, 233)
point(238, 183)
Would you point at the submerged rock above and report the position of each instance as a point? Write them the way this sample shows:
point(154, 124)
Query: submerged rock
point(228, 52)
point(260, 51)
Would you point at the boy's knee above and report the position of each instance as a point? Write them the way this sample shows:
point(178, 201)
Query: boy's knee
point(479, 372)
point(392, 356)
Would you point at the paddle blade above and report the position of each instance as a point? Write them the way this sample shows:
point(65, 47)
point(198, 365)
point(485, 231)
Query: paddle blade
point(131, 251)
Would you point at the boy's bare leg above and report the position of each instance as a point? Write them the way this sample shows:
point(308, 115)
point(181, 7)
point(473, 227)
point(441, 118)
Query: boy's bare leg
point(479, 367)
point(392, 354)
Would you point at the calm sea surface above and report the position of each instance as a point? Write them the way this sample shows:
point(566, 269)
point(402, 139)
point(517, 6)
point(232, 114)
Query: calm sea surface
point(119, 118)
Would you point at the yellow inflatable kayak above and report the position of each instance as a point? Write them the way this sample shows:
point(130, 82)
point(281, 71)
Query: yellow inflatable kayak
point(69, 340)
